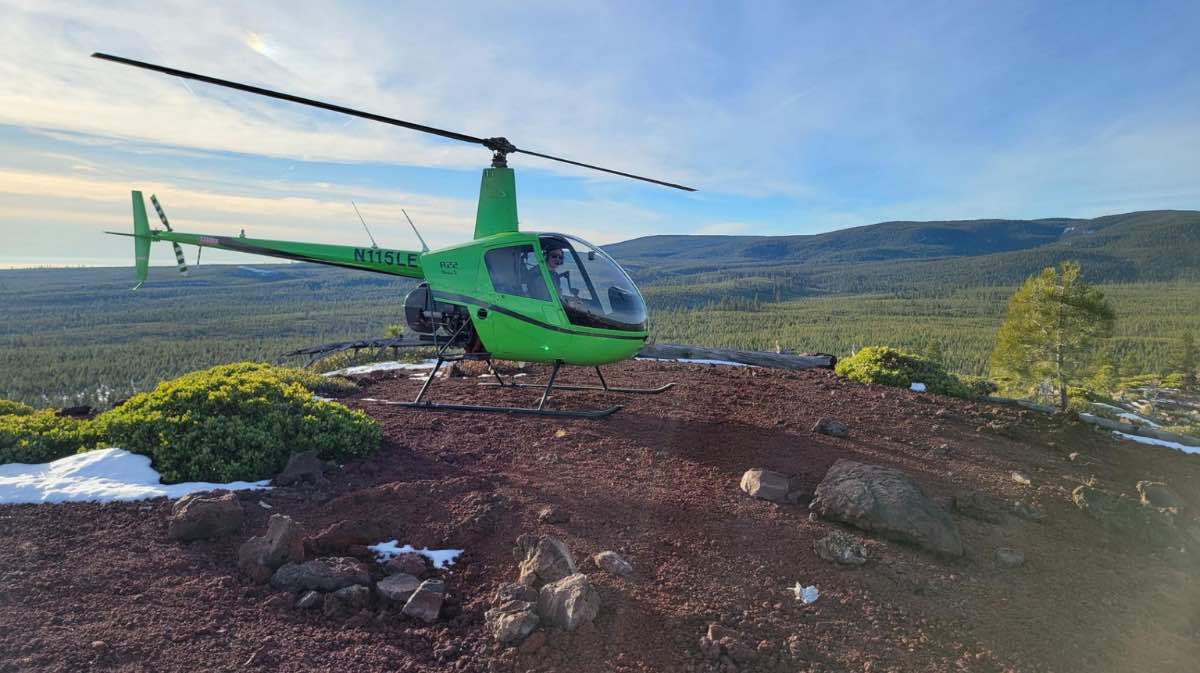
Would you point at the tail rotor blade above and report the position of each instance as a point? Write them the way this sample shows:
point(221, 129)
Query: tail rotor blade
point(179, 259)
point(161, 215)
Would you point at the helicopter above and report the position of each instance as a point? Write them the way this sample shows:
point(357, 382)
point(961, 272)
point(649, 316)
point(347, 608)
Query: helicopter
point(507, 294)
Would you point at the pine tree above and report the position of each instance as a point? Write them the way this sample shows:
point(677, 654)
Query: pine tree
point(1185, 360)
point(1049, 329)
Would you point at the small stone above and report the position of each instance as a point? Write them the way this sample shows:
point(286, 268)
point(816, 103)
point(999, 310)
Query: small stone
point(407, 563)
point(611, 562)
point(397, 588)
point(354, 597)
point(831, 427)
point(1021, 479)
point(426, 601)
point(553, 514)
point(512, 622)
point(841, 548)
point(99, 645)
point(569, 603)
point(205, 515)
point(260, 556)
point(514, 591)
point(1158, 494)
point(765, 485)
point(308, 600)
point(547, 559)
point(1010, 558)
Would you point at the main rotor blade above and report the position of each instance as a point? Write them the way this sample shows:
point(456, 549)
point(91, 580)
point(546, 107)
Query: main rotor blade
point(606, 170)
point(289, 97)
point(501, 145)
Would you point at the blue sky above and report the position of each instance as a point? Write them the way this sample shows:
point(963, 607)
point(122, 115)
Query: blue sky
point(790, 117)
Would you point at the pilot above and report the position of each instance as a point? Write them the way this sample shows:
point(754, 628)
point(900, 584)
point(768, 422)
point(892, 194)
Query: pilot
point(561, 279)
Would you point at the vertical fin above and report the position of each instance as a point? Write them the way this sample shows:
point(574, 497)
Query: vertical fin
point(141, 238)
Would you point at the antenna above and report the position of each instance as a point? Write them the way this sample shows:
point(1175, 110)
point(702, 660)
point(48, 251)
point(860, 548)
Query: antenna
point(360, 219)
point(424, 248)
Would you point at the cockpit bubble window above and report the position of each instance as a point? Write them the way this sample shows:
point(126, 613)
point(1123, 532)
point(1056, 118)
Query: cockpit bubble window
point(514, 270)
point(594, 290)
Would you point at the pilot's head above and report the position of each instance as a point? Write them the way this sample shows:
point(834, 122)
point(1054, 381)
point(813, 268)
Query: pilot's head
point(554, 258)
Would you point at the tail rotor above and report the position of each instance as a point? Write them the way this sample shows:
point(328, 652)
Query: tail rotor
point(179, 261)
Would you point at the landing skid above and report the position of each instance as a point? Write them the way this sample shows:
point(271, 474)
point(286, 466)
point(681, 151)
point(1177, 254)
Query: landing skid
point(522, 411)
point(603, 387)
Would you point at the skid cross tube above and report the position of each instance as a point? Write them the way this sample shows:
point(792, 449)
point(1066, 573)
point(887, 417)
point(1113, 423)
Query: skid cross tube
point(604, 387)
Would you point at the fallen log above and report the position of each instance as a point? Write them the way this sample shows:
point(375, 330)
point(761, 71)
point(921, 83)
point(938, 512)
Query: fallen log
point(755, 358)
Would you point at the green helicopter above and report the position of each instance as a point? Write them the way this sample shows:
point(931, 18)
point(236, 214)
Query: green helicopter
point(508, 294)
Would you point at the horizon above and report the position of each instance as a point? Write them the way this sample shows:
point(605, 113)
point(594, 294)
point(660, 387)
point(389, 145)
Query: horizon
point(789, 120)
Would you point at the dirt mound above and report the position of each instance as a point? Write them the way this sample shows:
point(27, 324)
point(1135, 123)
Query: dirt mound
point(88, 586)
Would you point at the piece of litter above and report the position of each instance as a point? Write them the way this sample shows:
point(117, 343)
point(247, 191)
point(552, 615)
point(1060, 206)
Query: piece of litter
point(807, 595)
point(918, 387)
point(440, 558)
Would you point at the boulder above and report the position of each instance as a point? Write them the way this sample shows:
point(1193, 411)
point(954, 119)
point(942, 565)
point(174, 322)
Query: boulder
point(303, 467)
point(1126, 517)
point(886, 501)
point(547, 559)
point(204, 515)
point(397, 588)
point(611, 562)
point(1010, 558)
point(426, 601)
point(980, 506)
point(337, 538)
point(569, 602)
point(322, 574)
point(841, 548)
point(1158, 494)
point(260, 556)
point(831, 427)
point(766, 485)
point(511, 622)
point(408, 563)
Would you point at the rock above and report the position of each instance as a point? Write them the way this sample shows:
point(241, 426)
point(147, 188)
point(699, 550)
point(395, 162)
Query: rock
point(1158, 494)
point(721, 642)
point(408, 563)
point(511, 622)
point(546, 560)
point(533, 643)
point(260, 556)
point(1021, 479)
point(886, 501)
point(831, 427)
point(355, 597)
point(611, 562)
point(322, 574)
point(303, 467)
point(514, 591)
point(1027, 511)
point(765, 485)
point(569, 602)
point(1010, 558)
point(426, 601)
point(397, 588)
point(308, 600)
point(1126, 517)
point(553, 514)
point(204, 515)
point(339, 537)
point(980, 506)
point(841, 548)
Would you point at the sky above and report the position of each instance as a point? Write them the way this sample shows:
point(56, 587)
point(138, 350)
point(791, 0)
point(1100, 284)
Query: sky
point(788, 117)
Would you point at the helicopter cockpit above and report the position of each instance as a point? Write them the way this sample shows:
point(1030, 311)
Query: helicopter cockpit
point(593, 289)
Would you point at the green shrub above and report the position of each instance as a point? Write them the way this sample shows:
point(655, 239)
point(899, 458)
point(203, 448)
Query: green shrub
point(979, 386)
point(14, 408)
point(235, 422)
point(893, 367)
point(40, 437)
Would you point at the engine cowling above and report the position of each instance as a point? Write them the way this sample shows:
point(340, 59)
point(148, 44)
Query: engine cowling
point(424, 315)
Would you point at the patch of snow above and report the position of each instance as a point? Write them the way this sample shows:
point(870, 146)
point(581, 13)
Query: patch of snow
point(1068, 230)
point(918, 387)
point(440, 558)
point(381, 367)
point(104, 475)
point(697, 361)
point(1130, 416)
point(1158, 442)
point(517, 376)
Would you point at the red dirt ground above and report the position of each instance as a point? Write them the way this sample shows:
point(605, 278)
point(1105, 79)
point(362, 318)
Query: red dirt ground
point(99, 587)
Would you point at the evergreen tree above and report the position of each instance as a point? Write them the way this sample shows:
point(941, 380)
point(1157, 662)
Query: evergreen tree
point(1049, 329)
point(1185, 360)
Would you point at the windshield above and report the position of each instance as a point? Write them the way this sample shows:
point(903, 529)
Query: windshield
point(593, 288)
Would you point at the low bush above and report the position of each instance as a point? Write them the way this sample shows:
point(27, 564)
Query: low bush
point(236, 422)
point(40, 437)
point(892, 367)
point(14, 408)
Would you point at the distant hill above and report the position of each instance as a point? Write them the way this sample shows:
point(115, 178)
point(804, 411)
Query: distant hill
point(1159, 245)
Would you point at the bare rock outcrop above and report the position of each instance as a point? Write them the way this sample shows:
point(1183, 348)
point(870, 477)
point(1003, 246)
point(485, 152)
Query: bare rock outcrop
point(886, 501)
